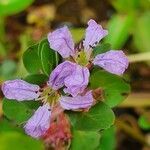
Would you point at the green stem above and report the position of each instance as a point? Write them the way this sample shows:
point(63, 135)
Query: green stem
point(139, 57)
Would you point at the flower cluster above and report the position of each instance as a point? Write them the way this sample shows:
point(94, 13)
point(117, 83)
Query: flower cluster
point(68, 83)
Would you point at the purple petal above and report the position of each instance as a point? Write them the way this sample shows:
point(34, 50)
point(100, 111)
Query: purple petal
point(58, 75)
point(113, 61)
point(78, 102)
point(20, 90)
point(77, 81)
point(94, 33)
point(39, 123)
point(61, 41)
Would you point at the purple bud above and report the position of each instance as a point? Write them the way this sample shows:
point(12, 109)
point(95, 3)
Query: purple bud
point(78, 102)
point(77, 81)
point(20, 90)
point(58, 75)
point(112, 61)
point(61, 41)
point(39, 123)
point(94, 33)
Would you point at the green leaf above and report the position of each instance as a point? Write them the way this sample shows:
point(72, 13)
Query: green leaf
point(49, 58)
point(31, 59)
point(101, 48)
point(118, 27)
point(99, 117)
point(81, 140)
point(142, 32)
point(114, 87)
point(7, 126)
point(9, 7)
point(126, 6)
point(17, 141)
point(107, 140)
point(19, 112)
point(36, 79)
point(77, 34)
point(144, 123)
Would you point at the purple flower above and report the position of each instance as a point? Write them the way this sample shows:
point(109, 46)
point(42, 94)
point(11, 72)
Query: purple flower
point(39, 123)
point(113, 61)
point(59, 74)
point(77, 81)
point(78, 102)
point(61, 41)
point(94, 33)
point(74, 77)
point(20, 90)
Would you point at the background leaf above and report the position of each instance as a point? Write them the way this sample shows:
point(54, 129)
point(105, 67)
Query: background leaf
point(7, 69)
point(144, 122)
point(118, 28)
point(114, 87)
point(97, 118)
point(17, 141)
point(126, 6)
point(142, 33)
point(82, 140)
point(10, 7)
point(77, 34)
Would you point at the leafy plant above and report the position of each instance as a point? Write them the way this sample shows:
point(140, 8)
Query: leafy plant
point(92, 118)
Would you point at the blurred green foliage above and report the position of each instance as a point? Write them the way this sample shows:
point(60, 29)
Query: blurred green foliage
point(131, 19)
point(18, 141)
point(9, 7)
point(144, 122)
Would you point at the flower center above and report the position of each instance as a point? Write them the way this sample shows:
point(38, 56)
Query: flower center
point(50, 96)
point(82, 58)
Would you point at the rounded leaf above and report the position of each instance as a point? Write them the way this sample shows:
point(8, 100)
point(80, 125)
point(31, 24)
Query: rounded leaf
point(114, 87)
point(31, 59)
point(81, 139)
point(99, 117)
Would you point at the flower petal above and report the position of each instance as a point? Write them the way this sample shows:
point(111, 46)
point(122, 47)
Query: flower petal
point(58, 75)
point(94, 33)
point(39, 123)
point(20, 90)
point(77, 81)
point(61, 41)
point(78, 102)
point(113, 61)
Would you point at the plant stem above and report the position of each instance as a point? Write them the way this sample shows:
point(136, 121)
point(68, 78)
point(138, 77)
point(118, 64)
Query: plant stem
point(131, 131)
point(139, 57)
point(137, 100)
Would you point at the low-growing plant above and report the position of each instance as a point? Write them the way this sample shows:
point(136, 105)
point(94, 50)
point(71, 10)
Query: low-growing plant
point(68, 96)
